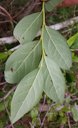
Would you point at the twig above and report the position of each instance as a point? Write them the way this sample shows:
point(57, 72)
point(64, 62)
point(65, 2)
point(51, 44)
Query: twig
point(7, 40)
point(27, 9)
point(13, 49)
point(7, 14)
point(68, 120)
point(31, 125)
point(62, 126)
point(41, 109)
point(11, 125)
point(21, 11)
point(47, 114)
point(65, 24)
point(58, 26)
point(1, 13)
point(2, 83)
point(30, 7)
point(5, 97)
point(3, 22)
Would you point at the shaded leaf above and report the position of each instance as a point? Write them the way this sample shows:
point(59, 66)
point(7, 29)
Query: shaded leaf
point(55, 82)
point(56, 48)
point(26, 30)
point(22, 61)
point(75, 112)
point(51, 4)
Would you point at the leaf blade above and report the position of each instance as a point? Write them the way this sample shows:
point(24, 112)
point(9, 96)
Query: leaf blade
point(75, 112)
point(72, 39)
point(57, 79)
point(49, 88)
point(27, 28)
point(51, 4)
point(19, 63)
point(56, 48)
point(32, 87)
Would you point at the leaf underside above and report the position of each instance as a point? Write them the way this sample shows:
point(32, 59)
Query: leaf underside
point(56, 48)
point(27, 94)
point(19, 63)
point(37, 65)
point(26, 30)
point(54, 82)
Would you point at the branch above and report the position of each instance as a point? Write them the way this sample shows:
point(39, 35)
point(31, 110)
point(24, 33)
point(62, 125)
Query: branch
point(27, 9)
point(58, 26)
point(8, 94)
point(7, 40)
point(65, 24)
point(52, 105)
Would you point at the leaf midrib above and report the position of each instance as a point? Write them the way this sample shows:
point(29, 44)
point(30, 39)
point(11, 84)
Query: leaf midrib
point(26, 95)
point(27, 56)
point(52, 80)
point(52, 83)
point(22, 92)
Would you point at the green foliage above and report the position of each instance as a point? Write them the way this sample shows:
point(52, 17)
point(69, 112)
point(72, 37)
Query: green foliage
point(75, 58)
point(37, 65)
point(27, 28)
point(75, 112)
point(19, 63)
point(3, 56)
point(2, 106)
point(34, 113)
point(51, 4)
point(72, 41)
point(55, 48)
point(55, 78)
point(27, 94)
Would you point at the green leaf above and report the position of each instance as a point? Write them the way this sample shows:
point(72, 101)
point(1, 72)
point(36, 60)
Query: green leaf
point(75, 112)
point(5, 103)
point(3, 56)
point(74, 58)
point(27, 94)
point(22, 61)
point(49, 88)
point(75, 44)
point(56, 48)
point(72, 39)
point(51, 4)
point(55, 82)
point(27, 28)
